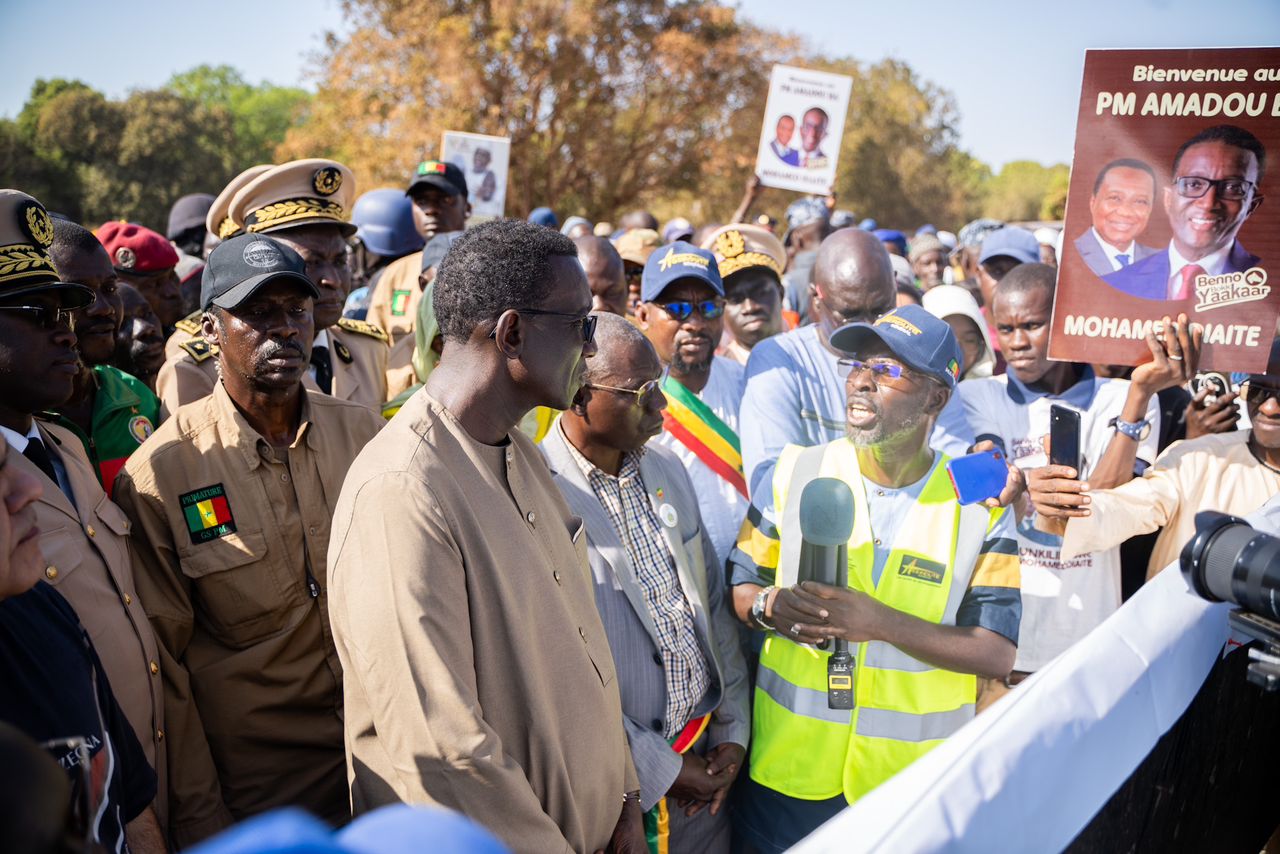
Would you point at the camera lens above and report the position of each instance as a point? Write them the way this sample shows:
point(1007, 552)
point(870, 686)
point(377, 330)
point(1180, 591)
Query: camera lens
point(1229, 561)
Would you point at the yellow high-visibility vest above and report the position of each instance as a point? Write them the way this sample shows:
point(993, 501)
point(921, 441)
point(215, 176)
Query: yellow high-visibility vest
point(903, 707)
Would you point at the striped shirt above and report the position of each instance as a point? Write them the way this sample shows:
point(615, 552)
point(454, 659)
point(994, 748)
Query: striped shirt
point(626, 501)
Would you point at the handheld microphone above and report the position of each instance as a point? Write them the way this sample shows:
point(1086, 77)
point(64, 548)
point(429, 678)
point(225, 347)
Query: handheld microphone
point(826, 523)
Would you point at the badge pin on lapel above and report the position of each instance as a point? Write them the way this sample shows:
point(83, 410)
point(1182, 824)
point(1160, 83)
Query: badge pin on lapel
point(668, 515)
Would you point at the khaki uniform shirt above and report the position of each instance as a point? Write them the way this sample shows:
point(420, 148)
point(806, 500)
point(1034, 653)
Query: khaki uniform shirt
point(231, 537)
point(1216, 472)
point(87, 557)
point(393, 305)
point(479, 675)
point(358, 355)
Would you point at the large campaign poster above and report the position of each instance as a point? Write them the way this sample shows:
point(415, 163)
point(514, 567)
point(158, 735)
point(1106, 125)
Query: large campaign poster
point(1165, 209)
point(483, 159)
point(803, 126)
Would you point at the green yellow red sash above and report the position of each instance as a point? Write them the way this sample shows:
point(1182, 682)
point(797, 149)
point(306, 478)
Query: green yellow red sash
point(700, 430)
point(657, 821)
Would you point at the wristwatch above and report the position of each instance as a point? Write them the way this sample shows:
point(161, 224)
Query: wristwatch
point(1135, 430)
point(758, 608)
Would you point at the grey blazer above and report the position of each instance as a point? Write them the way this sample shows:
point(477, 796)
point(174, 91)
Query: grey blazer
point(1091, 251)
point(630, 628)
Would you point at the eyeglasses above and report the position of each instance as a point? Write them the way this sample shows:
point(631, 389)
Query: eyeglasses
point(1257, 393)
point(647, 396)
point(881, 371)
point(633, 274)
point(852, 315)
point(45, 316)
point(682, 310)
point(1194, 187)
point(586, 324)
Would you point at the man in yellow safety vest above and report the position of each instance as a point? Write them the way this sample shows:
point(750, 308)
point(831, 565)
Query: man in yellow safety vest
point(932, 600)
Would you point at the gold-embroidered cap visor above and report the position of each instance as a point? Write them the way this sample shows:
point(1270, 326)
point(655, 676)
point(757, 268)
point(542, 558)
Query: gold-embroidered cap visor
point(300, 192)
point(26, 232)
point(739, 246)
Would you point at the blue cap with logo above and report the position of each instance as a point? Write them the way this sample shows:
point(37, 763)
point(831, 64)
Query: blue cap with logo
point(919, 340)
point(675, 261)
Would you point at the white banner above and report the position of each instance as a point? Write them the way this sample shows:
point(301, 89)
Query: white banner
point(803, 126)
point(484, 160)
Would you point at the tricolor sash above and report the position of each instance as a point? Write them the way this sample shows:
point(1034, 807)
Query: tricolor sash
point(657, 821)
point(700, 430)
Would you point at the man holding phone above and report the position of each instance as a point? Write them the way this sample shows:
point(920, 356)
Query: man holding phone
point(1118, 426)
point(932, 600)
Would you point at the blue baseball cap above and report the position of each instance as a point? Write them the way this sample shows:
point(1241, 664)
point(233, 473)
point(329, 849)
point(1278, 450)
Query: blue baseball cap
point(544, 216)
point(919, 340)
point(675, 261)
point(1015, 242)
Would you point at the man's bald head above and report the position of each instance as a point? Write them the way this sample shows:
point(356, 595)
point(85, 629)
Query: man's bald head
point(852, 280)
point(638, 219)
point(605, 274)
point(621, 351)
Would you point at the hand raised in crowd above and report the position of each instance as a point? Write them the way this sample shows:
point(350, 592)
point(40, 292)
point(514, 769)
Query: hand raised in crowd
point(706, 782)
point(1057, 496)
point(1014, 486)
point(1175, 355)
point(795, 617)
point(1205, 417)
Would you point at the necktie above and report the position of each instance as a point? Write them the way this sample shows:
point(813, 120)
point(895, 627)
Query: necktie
point(1122, 259)
point(36, 452)
point(1186, 288)
point(324, 368)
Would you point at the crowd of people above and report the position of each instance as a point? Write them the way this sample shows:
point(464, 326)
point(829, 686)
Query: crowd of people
point(341, 501)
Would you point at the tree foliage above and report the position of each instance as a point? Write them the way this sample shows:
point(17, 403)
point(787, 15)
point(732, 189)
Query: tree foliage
point(94, 159)
point(1021, 191)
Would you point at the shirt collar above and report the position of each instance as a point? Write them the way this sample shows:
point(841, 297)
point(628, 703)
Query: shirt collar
point(1110, 251)
point(241, 435)
point(321, 339)
point(630, 463)
point(19, 441)
point(1079, 395)
point(1212, 264)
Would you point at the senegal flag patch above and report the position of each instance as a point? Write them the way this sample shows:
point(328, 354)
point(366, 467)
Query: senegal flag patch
point(207, 513)
point(399, 303)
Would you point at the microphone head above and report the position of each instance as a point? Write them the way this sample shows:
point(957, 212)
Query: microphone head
point(826, 512)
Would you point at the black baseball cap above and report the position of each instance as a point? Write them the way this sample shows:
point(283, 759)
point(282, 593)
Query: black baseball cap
point(238, 267)
point(439, 174)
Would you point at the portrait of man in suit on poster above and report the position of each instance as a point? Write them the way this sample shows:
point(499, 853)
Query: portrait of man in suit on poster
point(781, 144)
point(1215, 189)
point(1123, 195)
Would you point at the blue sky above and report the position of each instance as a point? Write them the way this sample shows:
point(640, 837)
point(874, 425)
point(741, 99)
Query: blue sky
point(1014, 67)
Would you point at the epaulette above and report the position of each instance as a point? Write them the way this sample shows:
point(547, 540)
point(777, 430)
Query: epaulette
point(199, 349)
point(361, 327)
point(190, 324)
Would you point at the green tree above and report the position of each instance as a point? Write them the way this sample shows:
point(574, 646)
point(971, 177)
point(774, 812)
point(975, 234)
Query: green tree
point(261, 115)
point(1019, 191)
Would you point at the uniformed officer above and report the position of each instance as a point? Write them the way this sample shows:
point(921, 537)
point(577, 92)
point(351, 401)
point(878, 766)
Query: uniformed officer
point(231, 501)
point(111, 412)
point(305, 204)
point(83, 536)
point(144, 259)
point(190, 368)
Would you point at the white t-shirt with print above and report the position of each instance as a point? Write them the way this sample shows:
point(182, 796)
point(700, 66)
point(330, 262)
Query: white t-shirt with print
point(1061, 602)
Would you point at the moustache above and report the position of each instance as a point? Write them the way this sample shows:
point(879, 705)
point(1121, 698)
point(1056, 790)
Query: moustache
point(282, 348)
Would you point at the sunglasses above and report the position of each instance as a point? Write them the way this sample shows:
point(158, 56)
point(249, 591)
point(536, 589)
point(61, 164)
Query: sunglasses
point(881, 371)
point(45, 316)
point(647, 396)
point(682, 310)
point(586, 324)
point(1257, 393)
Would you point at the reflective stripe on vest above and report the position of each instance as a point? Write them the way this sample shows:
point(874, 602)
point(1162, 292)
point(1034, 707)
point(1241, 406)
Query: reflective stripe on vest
point(904, 706)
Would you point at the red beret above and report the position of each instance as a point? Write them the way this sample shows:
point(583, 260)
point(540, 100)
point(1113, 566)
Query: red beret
point(135, 249)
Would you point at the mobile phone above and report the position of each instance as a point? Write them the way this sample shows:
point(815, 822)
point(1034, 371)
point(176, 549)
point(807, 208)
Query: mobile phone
point(1064, 437)
point(977, 477)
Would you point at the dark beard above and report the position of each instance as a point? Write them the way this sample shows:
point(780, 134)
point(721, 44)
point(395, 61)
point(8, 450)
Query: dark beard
point(683, 367)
